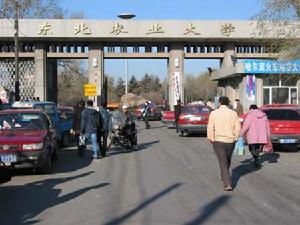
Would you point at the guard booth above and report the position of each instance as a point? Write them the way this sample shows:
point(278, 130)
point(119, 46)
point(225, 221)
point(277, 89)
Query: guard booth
point(261, 82)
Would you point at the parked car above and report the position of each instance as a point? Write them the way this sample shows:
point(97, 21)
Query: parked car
point(51, 109)
point(5, 106)
point(66, 120)
point(284, 124)
point(193, 119)
point(154, 113)
point(27, 139)
point(168, 118)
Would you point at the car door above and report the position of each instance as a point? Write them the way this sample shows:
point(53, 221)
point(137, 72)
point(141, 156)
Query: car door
point(52, 136)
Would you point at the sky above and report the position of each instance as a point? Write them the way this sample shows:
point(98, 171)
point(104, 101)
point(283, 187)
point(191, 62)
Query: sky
point(162, 9)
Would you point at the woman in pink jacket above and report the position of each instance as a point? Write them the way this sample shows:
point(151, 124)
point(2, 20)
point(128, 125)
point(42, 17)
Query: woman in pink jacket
point(256, 131)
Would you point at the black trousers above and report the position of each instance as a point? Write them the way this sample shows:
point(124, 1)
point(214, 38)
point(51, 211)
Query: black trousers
point(224, 153)
point(255, 149)
point(102, 141)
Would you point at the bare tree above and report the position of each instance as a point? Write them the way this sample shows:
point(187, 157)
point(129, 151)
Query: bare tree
point(30, 9)
point(279, 19)
point(199, 87)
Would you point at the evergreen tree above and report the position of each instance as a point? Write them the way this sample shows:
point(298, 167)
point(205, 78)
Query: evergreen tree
point(120, 88)
point(133, 86)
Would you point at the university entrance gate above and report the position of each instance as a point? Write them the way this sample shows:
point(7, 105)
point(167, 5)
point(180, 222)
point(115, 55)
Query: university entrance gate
point(42, 42)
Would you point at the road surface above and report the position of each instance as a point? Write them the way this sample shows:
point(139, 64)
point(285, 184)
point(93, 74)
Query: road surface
point(167, 181)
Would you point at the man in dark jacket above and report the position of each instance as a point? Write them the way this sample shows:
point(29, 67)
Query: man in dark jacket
point(90, 125)
point(177, 109)
point(105, 119)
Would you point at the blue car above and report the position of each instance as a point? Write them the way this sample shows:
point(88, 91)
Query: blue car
point(61, 125)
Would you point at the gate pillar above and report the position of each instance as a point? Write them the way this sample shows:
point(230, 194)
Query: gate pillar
point(96, 69)
point(175, 74)
point(40, 58)
point(51, 80)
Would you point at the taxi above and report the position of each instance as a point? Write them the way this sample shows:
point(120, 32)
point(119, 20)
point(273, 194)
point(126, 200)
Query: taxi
point(193, 119)
point(27, 139)
point(284, 122)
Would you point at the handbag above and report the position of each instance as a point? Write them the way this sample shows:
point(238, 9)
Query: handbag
point(268, 148)
point(239, 148)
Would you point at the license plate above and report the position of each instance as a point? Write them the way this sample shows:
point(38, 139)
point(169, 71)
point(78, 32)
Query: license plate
point(287, 141)
point(8, 159)
point(195, 119)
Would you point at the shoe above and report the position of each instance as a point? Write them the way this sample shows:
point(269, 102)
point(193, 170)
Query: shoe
point(228, 188)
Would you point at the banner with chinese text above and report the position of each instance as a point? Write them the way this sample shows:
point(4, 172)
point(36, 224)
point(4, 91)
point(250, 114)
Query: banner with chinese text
point(271, 66)
point(251, 88)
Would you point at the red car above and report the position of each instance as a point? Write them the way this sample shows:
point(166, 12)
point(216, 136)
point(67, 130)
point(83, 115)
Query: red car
point(284, 123)
point(27, 139)
point(154, 113)
point(168, 118)
point(193, 119)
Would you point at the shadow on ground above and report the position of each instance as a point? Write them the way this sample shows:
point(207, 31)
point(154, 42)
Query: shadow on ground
point(209, 210)
point(247, 166)
point(68, 161)
point(203, 135)
point(116, 150)
point(21, 204)
point(121, 219)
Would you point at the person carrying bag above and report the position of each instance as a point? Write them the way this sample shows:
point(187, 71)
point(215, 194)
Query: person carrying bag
point(256, 131)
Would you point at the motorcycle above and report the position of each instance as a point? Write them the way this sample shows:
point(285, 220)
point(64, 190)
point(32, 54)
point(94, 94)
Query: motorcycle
point(121, 131)
point(120, 136)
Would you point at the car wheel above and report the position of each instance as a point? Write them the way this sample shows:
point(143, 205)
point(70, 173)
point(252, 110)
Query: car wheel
point(47, 167)
point(128, 144)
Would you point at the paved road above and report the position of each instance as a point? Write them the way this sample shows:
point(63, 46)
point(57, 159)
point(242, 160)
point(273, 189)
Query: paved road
point(169, 180)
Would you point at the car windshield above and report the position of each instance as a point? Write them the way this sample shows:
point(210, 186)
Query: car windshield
point(194, 109)
point(282, 114)
point(25, 121)
point(47, 108)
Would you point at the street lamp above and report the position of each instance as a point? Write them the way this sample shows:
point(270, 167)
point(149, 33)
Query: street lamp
point(16, 37)
point(126, 16)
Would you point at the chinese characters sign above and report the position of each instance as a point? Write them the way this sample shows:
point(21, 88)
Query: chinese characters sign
point(82, 28)
point(45, 29)
point(155, 29)
point(176, 83)
point(271, 66)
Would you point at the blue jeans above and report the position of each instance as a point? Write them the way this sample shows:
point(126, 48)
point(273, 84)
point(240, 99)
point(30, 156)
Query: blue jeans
point(93, 139)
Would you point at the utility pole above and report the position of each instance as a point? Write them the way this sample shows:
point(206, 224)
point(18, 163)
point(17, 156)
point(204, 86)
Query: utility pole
point(126, 76)
point(16, 37)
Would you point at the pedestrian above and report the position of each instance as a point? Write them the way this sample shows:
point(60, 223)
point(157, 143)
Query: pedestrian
point(177, 111)
point(79, 107)
point(238, 107)
point(210, 104)
point(105, 119)
point(130, 124)
point(89, 126)
point(256, 131)
point(146, 112)
point(166, 105)
point(223, 131)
